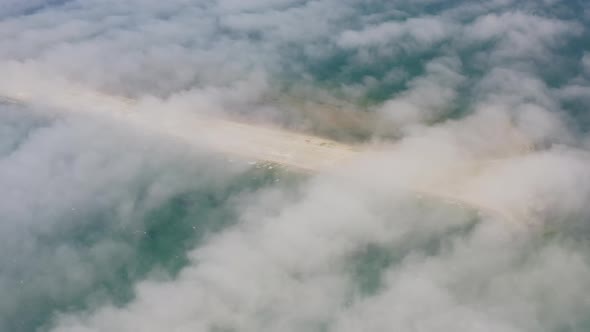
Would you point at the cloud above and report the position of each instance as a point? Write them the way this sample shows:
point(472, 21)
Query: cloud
point(428, 98)
point(519, 35)
point(296, 269)
point(422, 32)
point(466, 89)
point(16, 7)
point(77, 191)
point(241, 6)
point(586, 62)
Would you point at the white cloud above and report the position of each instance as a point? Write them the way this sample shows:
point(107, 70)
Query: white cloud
point(520, 35)
point(586, 63)
point(414, 33)
point(428, 97)
point(295, 269)
point(64, 178)
point(291, 261)
point(236, 5)
point(18, 7)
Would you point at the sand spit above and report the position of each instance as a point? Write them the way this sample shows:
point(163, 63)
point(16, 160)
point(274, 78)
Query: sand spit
point(249, 141)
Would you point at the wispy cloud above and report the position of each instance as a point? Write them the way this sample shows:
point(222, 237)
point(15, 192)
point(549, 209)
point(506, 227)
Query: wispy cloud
point(486, 101)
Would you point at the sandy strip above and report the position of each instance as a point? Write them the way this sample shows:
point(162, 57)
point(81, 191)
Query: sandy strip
point(249, 141)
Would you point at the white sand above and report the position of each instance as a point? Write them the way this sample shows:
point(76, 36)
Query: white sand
point(249, 141)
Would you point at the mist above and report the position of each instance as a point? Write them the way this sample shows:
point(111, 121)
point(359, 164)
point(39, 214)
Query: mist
point(117, 214)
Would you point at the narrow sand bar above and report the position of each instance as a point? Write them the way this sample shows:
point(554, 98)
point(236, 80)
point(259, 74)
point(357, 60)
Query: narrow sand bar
point(249, 141)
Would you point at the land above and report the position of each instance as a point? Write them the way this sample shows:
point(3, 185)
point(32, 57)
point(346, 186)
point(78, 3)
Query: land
point(250, 141)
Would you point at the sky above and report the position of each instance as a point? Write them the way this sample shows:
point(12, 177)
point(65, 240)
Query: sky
point(107, 226)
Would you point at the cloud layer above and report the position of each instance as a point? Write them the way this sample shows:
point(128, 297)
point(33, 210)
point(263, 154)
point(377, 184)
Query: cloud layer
point(489, 100)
